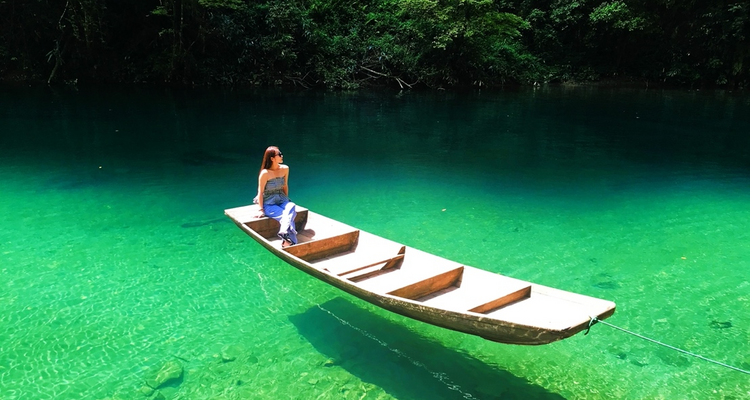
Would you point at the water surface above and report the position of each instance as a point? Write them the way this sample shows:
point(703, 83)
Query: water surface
point(116, 259)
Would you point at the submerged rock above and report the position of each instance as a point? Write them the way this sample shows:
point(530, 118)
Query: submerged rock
point(169, 372)
point(673, 358)
point(231, 352)
point(639, 361)
point(720, 324)
point(159, 396)
point(608, 285)
point(147, 390)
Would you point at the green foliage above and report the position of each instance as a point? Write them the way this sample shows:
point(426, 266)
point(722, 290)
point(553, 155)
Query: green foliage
point(459, 41)
point(160, 11)
point(617, 15)
point(225, 4)
point(352, 44)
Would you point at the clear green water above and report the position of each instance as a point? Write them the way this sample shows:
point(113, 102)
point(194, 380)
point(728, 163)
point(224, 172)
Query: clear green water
point(116, 259)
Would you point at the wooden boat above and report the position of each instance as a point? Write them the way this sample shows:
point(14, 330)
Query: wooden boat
point(423, 286)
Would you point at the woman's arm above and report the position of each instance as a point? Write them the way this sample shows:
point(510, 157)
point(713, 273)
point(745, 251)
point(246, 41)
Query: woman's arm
point(262, 179)
point(286, 181)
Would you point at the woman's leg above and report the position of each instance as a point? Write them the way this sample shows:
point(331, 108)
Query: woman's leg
point(287, 221)
point(285, 214)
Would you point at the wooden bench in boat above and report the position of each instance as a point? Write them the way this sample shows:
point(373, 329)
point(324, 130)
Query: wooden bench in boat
point(325, 247)
point(359, 265)
point(370, 256)
point(459, 289)
point(323, 243)
point(344, 255)
point(417, 267)
point(478, 291)
point(265, 226)
point(374, 269)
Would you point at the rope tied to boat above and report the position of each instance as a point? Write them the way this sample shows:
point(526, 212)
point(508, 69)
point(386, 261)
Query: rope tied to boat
point(593, 321)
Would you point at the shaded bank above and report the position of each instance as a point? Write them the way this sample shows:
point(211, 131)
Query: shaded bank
point(400, 44)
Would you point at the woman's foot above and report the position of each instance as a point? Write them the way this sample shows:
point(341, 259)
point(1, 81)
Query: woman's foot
point(285, 240)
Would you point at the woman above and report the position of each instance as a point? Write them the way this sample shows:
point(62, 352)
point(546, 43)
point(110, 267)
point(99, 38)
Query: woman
point(273, 189)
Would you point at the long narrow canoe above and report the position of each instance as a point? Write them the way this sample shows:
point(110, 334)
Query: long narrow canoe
point(423, 286)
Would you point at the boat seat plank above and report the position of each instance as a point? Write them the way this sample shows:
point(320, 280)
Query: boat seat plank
point(462, 299)
point(351, 268)
point(407, 275)
point(374, 270)
point(480, 292)
point(265, 226)
point(417, 266)
point(324, 247)
point(504, 300)
point(555, 309)
point(319, 227)
point(543, 310)
point(430, 285)
point(360, 258)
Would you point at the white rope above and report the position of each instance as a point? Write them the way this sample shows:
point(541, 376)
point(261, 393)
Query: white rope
point(595, 320)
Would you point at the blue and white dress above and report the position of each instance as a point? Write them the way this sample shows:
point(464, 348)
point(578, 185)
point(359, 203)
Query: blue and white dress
point(277, 205)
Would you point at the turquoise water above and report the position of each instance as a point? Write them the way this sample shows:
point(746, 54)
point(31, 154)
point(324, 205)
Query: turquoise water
point(116, 259)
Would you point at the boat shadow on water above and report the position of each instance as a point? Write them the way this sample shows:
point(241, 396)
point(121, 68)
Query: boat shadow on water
point(404, 364)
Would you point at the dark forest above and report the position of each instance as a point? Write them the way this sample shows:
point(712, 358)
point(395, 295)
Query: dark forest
point(348, 44)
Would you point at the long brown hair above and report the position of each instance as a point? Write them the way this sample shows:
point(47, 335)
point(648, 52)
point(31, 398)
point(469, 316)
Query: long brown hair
point(271, 152)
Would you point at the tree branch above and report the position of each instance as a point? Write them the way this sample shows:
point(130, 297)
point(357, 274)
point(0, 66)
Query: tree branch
point(401, 82)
